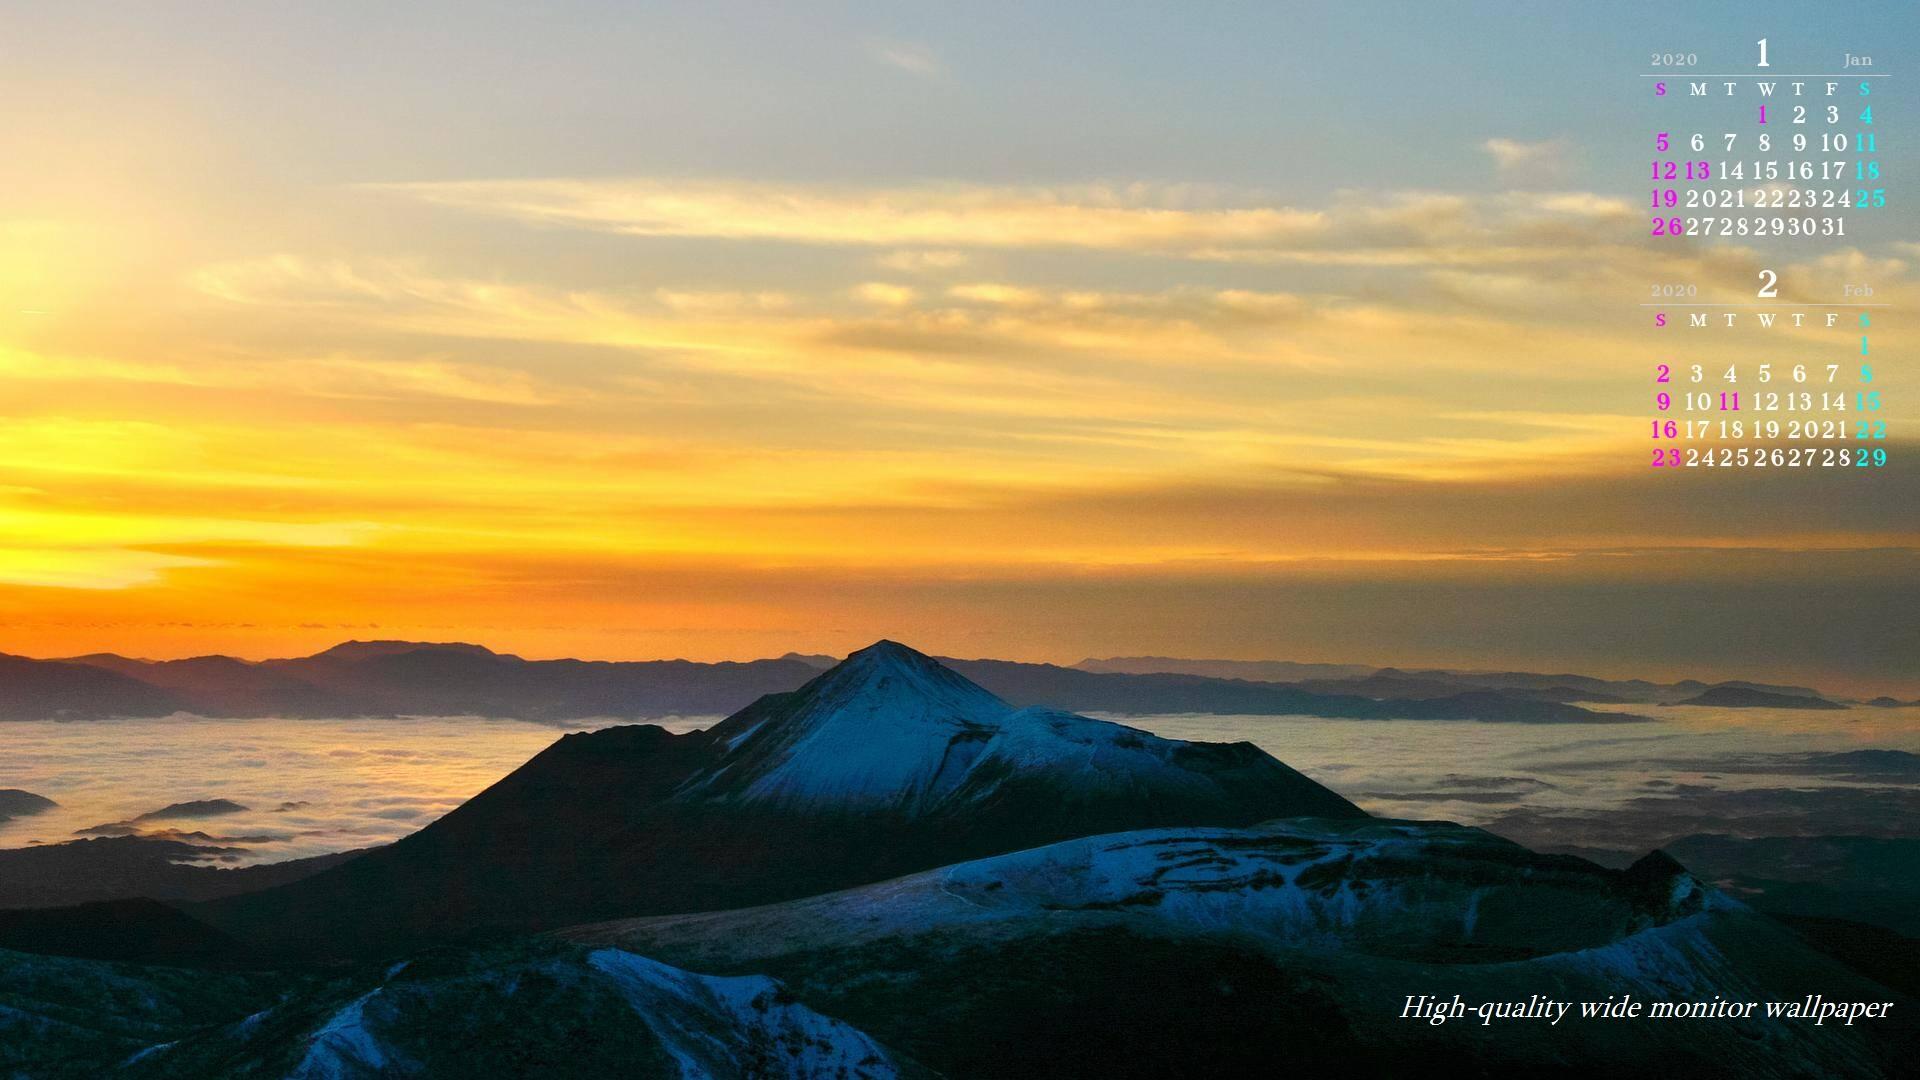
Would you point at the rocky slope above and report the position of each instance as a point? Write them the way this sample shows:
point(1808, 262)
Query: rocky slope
point(1224, 951)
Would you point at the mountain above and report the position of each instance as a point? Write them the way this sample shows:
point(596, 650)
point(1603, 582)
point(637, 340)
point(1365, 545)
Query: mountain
point(389, 678)
point(1125, 694)
point(1250, 670)
point(193, 808)
point(1368, 884)
point(1197, 951)
point(1875, 879)
point(124, 867)
point(68, 1018)
point(16, 803)
point(892, 869)
point(356, 651)
point(393, 678)
point(1570, 687)
point(1740, 697)
point(400, 678)
point(1394, 684)
point(536, 1008)
point(137, 929)
point(52, 689)
point(224, 686)
point(887, 764)
point(530, 1009)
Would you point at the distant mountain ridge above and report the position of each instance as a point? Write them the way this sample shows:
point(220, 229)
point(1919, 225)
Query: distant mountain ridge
point(1253, 670)
point(388, 678)
point(1741, 697)
point(411, 678)
point(1124, 694)
point(1397, 683)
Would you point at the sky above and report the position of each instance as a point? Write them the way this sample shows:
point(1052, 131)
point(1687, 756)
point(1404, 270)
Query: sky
point(1304, 331)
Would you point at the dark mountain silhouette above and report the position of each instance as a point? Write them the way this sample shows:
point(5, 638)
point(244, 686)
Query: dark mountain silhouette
point(136, 930)
point(42, 689)
point(391, 678)
point(1395, 687)
point(388, 678)
point(887, 764)
point(193, 808)
point(16, 803)
point(123, 867)
point(354, 651)
point(813, 660)
point(1740, 697)
point(1252, 670)
point(396, 678)
point(1396, 684)
point(224, 686)
point(1121, 694)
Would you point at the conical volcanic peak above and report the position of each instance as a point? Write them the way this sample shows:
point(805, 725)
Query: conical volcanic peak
point(878, 730)
point(891, 729)
point(891, 670)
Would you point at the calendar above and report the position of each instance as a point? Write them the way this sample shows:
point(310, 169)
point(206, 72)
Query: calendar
point(1780, 166)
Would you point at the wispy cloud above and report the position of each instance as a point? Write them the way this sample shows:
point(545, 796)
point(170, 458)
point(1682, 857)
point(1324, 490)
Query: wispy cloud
point(933, 225)
point(918, 262)
point(1545, 160)
point(912, 57)
point(885, 294)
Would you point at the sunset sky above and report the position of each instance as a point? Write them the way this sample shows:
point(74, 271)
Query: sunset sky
point(712, 331)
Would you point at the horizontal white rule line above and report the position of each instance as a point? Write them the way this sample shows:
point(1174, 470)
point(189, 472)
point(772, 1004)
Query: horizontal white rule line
point(1810, 303)
point(1766, 75)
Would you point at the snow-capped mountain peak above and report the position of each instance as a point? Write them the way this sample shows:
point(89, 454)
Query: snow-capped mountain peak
point(887, 727)
point(893, 730)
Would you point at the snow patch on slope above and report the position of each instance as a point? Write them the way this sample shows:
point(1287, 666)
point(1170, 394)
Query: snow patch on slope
point(345, 1046)
point(1394, 889)
point(739, 1026)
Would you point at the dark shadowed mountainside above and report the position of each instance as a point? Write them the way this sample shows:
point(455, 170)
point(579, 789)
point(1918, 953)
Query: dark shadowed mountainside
point(139, 931)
